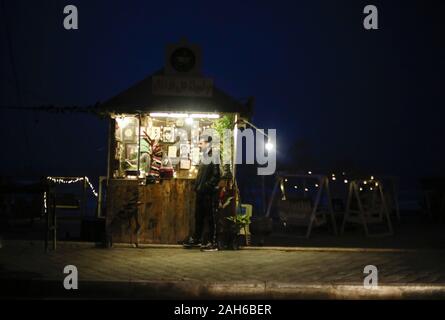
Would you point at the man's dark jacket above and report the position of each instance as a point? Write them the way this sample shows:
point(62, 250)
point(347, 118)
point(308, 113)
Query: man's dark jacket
point(208, 178)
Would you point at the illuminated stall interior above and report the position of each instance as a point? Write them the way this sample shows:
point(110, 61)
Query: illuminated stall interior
point(177, 135)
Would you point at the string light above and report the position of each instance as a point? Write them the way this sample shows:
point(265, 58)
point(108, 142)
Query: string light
point(75, 180)
point(45, 206)
point(306, 189)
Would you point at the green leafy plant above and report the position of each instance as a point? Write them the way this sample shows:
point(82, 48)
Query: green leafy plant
point(220, 125)
point(240, 220)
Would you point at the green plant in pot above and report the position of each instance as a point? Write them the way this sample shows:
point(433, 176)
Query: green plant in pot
point(239, 222)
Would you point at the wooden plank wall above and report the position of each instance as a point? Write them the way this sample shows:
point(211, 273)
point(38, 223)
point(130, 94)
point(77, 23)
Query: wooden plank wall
point(156, 213)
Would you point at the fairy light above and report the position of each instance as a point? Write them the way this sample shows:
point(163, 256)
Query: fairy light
point(71, 181)
point(309, 172)
point(365, 182)
point(361, 189)
point(306, 189)
point(295, 187)
point(45, 205)
point(372, 177)
point(316, 185)
point(346, 181)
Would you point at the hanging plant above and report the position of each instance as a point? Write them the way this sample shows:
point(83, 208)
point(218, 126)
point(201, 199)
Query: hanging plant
point(221, 125)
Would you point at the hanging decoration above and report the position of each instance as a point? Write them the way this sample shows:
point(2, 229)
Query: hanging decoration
point(73, 180)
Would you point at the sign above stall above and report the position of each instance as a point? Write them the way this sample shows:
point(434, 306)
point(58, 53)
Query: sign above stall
point(183, 59)
point(182, 86)
point(182, 73)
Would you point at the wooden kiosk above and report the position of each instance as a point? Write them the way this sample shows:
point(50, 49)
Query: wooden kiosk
point(173, 107)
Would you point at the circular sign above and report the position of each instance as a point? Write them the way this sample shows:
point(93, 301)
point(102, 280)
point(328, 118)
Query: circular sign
point(183, 60)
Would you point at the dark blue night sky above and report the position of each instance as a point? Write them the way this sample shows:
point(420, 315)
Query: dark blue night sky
point(371, 98)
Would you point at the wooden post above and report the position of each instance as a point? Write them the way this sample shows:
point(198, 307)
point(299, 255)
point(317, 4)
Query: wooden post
point(348, 206)
point(330, 206)
point(54, 224)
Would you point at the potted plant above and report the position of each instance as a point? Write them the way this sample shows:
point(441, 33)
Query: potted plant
point(238, 223)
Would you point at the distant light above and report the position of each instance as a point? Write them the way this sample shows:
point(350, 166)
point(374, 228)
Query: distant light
point(306, 189)
point(189, 121)
point(365, 182)
point(372, 177)
point(269, 146)
point(361, 189)
point(316, 185)
point(309, 172)
point(295, 187)
point(346, 180)
point(285, 180)
point(333, 178)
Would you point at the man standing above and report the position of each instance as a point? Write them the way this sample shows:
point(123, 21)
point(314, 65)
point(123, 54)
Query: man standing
point(206, 188)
